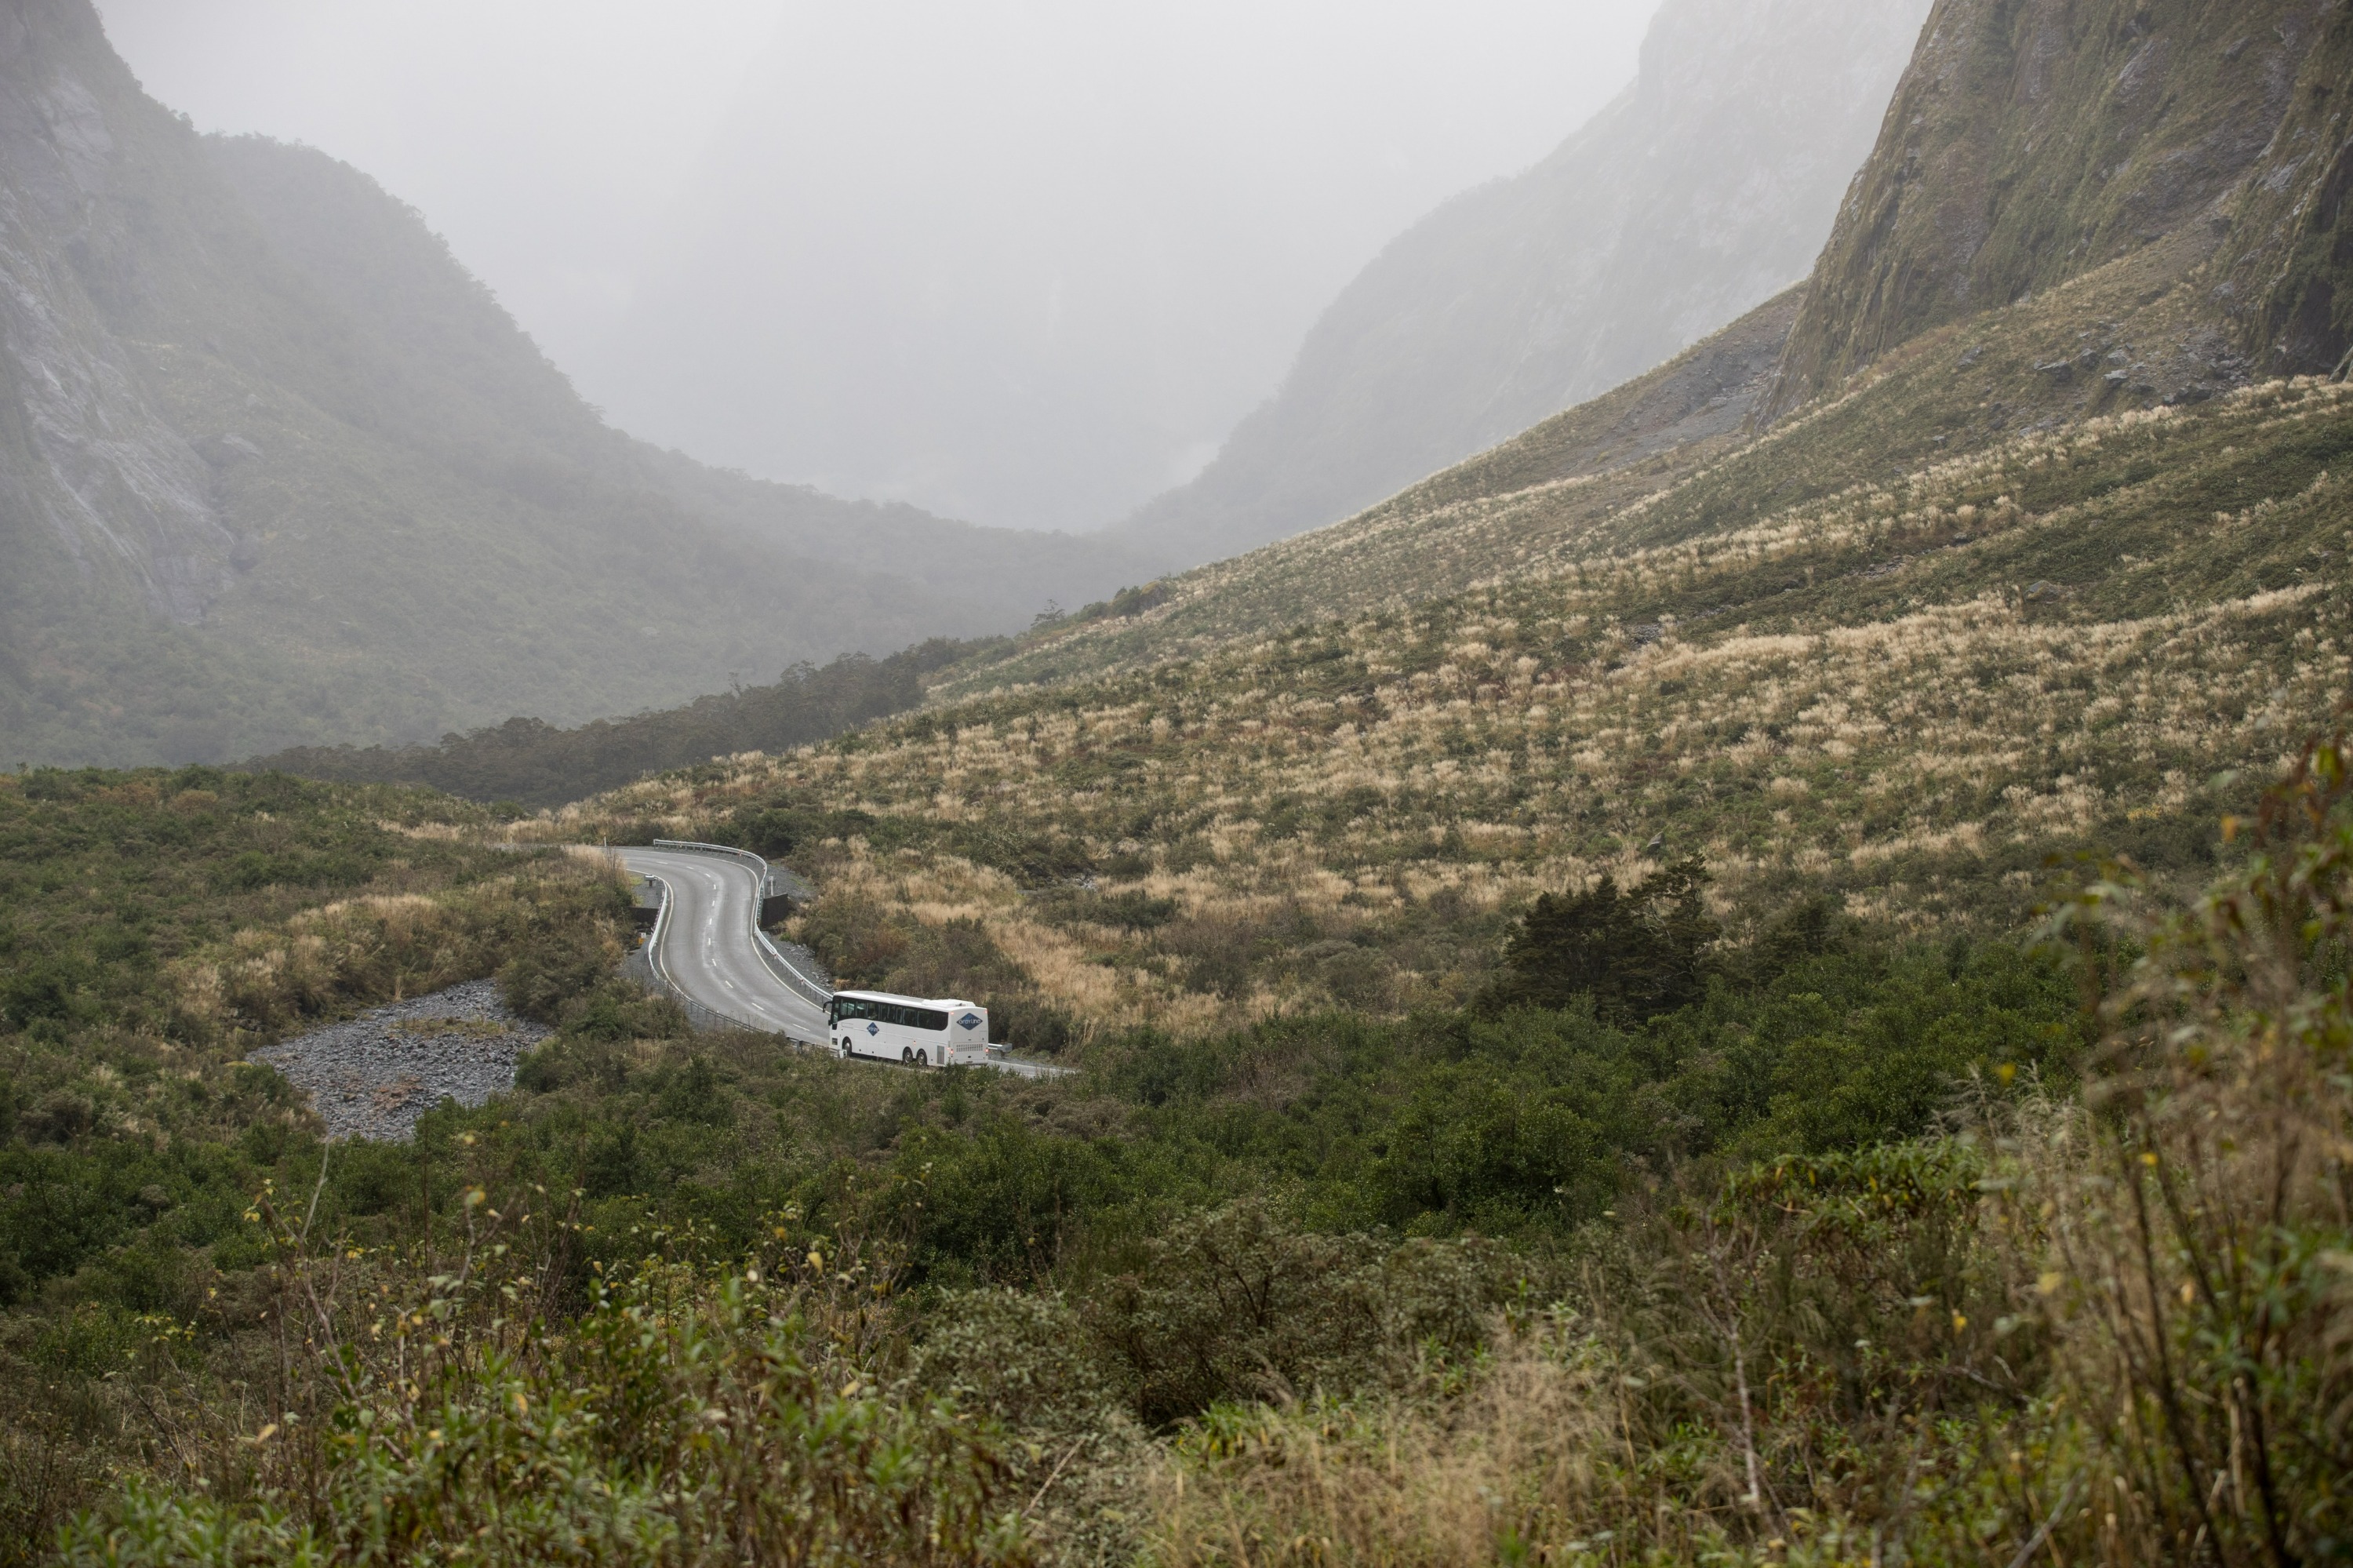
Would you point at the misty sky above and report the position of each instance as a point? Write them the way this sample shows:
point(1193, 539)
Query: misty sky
point(1024, 261)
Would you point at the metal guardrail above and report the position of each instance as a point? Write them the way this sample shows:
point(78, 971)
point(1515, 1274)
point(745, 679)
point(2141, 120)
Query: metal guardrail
point(773, 879)
point(708, 1019)
point(729, 851)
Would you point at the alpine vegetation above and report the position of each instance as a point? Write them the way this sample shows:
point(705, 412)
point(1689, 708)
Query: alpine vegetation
point(1758, 972)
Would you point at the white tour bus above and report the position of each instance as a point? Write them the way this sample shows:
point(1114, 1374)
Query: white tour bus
point(920, 1031)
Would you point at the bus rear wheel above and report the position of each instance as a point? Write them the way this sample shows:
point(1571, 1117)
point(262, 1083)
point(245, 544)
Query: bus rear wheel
point(923, 1057)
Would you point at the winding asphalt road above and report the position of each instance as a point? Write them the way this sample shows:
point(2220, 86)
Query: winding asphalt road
point(708, 948)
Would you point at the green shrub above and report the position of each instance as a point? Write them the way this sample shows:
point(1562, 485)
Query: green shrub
point(1636, 954)
point(687, 1414)
point(563, 959)
point(1236, 1305)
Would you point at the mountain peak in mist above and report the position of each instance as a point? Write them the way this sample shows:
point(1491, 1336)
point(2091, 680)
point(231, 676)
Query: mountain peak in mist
point(1703, 190)
point(276, 469)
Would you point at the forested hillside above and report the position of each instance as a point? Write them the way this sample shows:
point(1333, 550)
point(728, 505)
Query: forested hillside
point(528, 762)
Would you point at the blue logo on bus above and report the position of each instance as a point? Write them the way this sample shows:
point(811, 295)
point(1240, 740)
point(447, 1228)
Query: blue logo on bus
point(873, 1029)
point(970, 1021)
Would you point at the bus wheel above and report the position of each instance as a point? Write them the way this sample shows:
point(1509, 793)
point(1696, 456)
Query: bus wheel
point(845, 1048)
point(922, 1058)
point(905, 1055)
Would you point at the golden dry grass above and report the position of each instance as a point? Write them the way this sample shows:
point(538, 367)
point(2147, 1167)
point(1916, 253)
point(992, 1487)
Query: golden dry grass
point(1912, 692)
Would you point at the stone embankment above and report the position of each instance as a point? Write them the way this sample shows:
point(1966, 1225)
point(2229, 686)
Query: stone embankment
point(374, 1077)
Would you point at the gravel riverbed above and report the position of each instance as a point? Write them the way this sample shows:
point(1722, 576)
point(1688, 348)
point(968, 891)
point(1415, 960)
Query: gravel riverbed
point(374, 1077)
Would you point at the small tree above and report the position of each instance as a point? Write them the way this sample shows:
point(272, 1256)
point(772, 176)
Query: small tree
point(1636, 953)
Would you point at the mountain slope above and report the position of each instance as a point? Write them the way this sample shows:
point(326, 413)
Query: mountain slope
point(370, 255)
point(2179, 316)
point(1675, 454)
point(1700, 192)
point(274, 470)
point(2041, 580)
point(1910, 695)
point(2029, 142)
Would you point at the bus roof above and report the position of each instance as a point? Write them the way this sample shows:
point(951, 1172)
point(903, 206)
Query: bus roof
point(908, 1001)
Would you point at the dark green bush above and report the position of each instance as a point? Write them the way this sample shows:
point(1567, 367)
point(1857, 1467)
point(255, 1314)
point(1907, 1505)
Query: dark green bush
point(1236, 1305)
point(1637, 954)
point(563, 960)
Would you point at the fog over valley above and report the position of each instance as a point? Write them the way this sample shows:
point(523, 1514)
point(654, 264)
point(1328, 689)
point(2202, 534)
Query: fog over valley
point(1024, 264)
point(1294, 784)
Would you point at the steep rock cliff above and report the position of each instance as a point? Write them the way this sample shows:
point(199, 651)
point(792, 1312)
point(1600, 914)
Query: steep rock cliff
point(89, 467)
point(2032, 141)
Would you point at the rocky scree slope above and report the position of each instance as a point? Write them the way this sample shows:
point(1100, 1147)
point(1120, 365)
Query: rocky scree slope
point(1701, 192)
point(375, 1075)
point(275, 468)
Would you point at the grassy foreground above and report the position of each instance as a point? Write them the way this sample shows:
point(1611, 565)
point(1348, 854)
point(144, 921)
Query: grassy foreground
point(1873, 1251)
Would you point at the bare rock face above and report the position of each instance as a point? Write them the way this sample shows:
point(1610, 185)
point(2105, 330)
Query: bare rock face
point(88, 453)
point(2287, 265)
point(2032, 141)
point(1701, 192)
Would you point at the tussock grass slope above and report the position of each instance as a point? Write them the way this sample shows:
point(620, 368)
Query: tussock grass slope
point(1914, 692)
point(1678, 452)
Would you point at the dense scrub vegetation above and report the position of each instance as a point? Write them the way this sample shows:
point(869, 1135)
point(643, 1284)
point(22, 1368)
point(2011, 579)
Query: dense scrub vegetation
point(530, 763)
point(1833, 1262)
point(157, 924)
